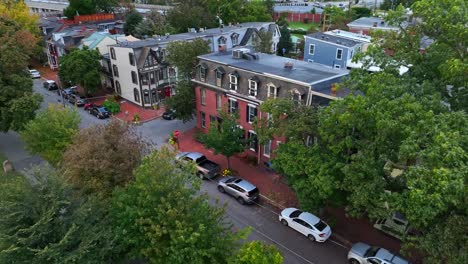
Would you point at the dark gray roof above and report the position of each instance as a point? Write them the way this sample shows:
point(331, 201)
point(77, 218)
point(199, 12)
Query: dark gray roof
point(193, 35)
point(305, 72)
point(368, 22)
point(334, 39)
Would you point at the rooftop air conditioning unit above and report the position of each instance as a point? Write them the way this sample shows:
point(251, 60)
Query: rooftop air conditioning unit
point(237, 54)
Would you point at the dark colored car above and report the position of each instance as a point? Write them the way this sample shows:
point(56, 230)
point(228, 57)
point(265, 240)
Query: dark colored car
point(169, 114)
point(68, 91)
point(99, 111)
point(77, 100)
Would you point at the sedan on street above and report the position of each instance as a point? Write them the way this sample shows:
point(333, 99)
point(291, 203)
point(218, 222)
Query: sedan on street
point(362, 253)
point(305, 223)
point(77, 100)
point(242, 190)
point(99, 111)
point(34, 74)
point(169, 114)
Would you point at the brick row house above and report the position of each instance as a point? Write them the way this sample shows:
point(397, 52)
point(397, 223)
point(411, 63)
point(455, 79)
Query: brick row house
point(241, 80)
point(141, 73)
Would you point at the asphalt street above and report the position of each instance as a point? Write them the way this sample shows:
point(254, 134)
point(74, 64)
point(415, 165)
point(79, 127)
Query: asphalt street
point(296, 248)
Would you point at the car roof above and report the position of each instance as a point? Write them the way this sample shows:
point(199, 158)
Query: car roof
point(244, 185)
point(33, 70)
point(194, 155)
point(309, 218)
point(50, 81)
point(384, 254)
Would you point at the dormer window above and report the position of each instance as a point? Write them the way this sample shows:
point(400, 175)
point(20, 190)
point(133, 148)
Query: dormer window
point(272, 91)
point(203, 70)
point(235, 39)
point(233, 81)
point(253, 86)
point(221, 41)
point(219, 76)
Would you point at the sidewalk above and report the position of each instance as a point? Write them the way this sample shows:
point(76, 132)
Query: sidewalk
point(345, 230)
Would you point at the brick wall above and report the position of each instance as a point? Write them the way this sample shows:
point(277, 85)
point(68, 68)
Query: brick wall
point(299, 17)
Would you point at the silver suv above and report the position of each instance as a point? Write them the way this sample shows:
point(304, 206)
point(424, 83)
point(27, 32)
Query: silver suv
point(242, 190)
point(362, 253)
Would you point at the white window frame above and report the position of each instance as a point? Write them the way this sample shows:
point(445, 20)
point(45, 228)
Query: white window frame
point(265, 148)
point(253, 88)
point(203, 73)
point(248, 136)
point(275, 93)
point(313, 51)
point(203, 96)
point(296, 93)
point(219, 101)
point(337, 66)
point(309, 60)
point(233, 82)
point(249, 114)
point(341, 56)
point(230, 100)
point(202, 119)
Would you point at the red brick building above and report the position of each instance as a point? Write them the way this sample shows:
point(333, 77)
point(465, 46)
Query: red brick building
point(241, 80)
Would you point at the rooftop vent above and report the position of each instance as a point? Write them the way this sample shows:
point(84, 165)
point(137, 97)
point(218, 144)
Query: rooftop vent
point(323, 37)
point(382, 22)
point(375, 24)
point(288, 65)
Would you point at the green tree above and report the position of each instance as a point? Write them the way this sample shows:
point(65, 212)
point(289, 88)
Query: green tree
point(337, 18)
point(392, 4)
point(183, 102)
point(254, 11)
point(18, 103)
point(82, 66)
point(145, 29)
point(190, 14)
point(103, 157)
point(361, 12)
point(80, 7)
point(163, 218)
point(256, 252)
point(49, 134)
point(263, 42)
point(44, 221)
point(225, 137)
point(285, 42)
point(131, 21)
point(183, 55)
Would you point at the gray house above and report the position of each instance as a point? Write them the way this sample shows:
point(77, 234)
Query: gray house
point(334, 48)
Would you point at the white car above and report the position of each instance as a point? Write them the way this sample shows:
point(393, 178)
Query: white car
point(305, 223)
point(362, 253)
point(34, 74)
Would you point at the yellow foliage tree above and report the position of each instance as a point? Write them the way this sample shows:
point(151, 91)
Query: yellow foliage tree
point(19, 12)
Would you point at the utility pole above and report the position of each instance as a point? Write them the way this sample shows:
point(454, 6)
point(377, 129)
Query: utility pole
point(326, 20)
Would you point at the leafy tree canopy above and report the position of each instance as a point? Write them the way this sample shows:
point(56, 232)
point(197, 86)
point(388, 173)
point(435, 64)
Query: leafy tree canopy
point(18, 11)
point(44, 222)
point(183, 102)
point(263, 42)
point(87, 7)
point(162, 218)
point(82, 66)
point(183, 54)
point(285, 41)
point(131, 21)
point(225, 136)
point(103, 157)
point(256, 252)
point(17, 101)
point(49, 134)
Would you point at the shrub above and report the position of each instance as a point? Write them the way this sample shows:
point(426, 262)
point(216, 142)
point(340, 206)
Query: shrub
point(112, 105)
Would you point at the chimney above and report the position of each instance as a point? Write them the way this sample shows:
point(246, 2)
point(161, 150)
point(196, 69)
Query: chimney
point(375, 24)
point(288, 65)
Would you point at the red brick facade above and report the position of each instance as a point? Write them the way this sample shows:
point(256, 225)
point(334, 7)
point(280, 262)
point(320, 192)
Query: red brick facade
point(210, 111)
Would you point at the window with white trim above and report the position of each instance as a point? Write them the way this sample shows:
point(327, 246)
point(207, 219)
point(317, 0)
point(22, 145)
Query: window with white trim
point(339, 54)
point(203, 96)
point(297, 98)
point(253, 141)
point(219, 78)
point(252, 88)
point(267, 149)
point(203, 119)
point(250, 113)
point(233, 82)
point(311, 49)
point(232, 106)
point(219, 102)
point(272, 91)
point(203, 71)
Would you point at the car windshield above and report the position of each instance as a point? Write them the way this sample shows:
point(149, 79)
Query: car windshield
point(371, 252)
point(230, 180)
point(320, 225)
point(295, 213)
point(200, 159)
point(102, 109)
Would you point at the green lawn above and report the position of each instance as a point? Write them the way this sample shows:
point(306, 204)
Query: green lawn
point(296, 25)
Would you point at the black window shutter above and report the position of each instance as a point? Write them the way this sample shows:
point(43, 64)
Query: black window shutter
point(255, 111)
point(247, 113)
point(236, 106)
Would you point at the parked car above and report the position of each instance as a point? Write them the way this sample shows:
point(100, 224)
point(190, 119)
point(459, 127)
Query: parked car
point(169, 114)
point(77, 100)
point(205, 167)
point(305, 223)
point(34, 74)
point(50, 85)
point(99, 111)
point(362, 253)
point(88, 105)
point(68, 91)
point(242, 190)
